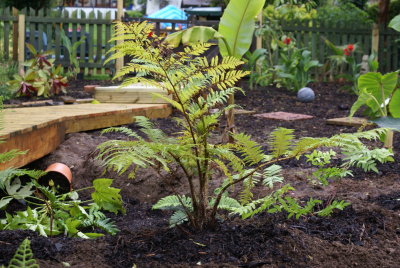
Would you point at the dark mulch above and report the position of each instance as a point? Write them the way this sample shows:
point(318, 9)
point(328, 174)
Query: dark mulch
point(365, 234)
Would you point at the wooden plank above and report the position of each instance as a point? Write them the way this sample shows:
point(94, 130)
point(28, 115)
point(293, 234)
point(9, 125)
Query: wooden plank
point(41, 129)
point(133, 94)
point(38, 143)
point(347, 121)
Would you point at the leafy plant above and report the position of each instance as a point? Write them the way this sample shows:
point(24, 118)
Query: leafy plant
point(72, 48)
point(253, 64)
point(23, 257)
point(41, 78)
point(379, 93)
point(345, 56)
point(294, 65)
point(56, 214)
point(197, 86)
point(235, 34)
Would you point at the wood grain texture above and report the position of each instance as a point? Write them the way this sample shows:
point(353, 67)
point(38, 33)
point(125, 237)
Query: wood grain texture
point(41, 129)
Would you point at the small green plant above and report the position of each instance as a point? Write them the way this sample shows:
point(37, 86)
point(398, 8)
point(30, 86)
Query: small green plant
point(54, 214)
point(295, 65)
point(41, 78)
point(197, 86)
point(72, 48)
point(345, 56)
point(23, 257)
point(253, 64)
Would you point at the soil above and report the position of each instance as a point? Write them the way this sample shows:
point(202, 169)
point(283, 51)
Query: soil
point(364, 234)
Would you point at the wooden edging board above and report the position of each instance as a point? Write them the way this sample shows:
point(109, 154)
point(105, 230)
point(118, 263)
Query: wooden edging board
point(39, 130)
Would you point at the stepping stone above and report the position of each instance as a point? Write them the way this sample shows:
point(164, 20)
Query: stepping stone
point(284, 116)
point(347, 121)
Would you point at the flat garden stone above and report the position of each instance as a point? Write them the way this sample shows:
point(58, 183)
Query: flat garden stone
point(284, 116)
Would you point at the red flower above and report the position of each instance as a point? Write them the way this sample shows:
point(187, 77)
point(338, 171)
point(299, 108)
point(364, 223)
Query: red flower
point(150, 35)
point(350, 47)
point(287, 41)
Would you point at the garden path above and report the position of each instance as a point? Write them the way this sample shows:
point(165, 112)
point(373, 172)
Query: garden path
point(40, 130)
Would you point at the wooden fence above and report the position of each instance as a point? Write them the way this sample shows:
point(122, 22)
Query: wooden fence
point(311, 34)
point(43, 30)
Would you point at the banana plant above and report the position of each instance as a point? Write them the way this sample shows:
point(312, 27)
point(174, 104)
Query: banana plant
point(235, 34)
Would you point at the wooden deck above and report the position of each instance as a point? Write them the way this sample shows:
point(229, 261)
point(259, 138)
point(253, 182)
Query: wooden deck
point(39, 130)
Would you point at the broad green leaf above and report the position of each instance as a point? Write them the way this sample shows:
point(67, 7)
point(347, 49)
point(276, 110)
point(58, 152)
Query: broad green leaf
point(388, 122)
point(394, 105)
point(196, 34)
point(4, 202)
point(363, 97)
point(395, 23)
point(379, 86)
point(237, 26)
point(106, 197)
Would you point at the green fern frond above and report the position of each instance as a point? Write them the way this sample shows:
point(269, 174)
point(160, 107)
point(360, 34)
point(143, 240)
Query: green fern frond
point(272, 175)
point(23, 257)
point(123, 130)
point(177, 218)
point(174, 202)
point(250, 150)
point(280, 141)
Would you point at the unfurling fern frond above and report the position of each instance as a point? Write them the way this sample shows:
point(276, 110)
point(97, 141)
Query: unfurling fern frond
point(23, 257)
point(280, 141)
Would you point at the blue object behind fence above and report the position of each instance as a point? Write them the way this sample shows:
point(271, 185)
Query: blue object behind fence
point(172, 13)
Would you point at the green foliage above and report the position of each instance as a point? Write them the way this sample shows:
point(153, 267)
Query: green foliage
point(41, 78)
point(377, 92)
point(237, 26)
point(197, 86)
point(235, 29)
point(56, 214)
point(106, 197)
point(395, 23)
point(23, 257)
point(72, 48)
point(253, 64)
point(344, 13)
point(345, 56)
point(295, 65)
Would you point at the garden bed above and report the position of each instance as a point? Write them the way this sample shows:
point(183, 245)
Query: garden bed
point(365, 234)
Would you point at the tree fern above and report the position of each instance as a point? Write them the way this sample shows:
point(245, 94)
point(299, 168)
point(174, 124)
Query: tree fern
point(195, 86)
point(23, 257)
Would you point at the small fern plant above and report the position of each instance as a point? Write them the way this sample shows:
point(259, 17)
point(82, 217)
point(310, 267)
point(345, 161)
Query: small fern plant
point(198, 86)
point(23, 257)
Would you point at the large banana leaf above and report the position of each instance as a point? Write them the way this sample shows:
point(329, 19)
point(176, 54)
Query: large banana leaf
point(237, 26)
point(196, 34)
point(395, 23)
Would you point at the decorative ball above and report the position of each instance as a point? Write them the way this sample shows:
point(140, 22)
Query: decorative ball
point(306, 94)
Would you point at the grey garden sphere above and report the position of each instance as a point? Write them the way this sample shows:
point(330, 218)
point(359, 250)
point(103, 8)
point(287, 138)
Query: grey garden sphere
point(306, 94)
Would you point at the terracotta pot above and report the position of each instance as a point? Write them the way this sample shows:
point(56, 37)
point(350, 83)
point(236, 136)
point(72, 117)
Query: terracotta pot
point(58, 176)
